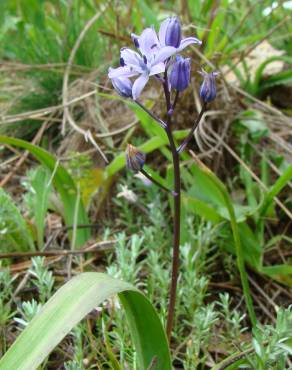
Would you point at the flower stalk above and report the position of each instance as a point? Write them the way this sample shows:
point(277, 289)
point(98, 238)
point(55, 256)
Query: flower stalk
point(176, 231)
point(149, 177)
point(185, 142)
point(158, 56)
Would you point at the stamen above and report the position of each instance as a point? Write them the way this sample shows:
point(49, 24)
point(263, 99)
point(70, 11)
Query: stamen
point(122, 62)
point(144, 59)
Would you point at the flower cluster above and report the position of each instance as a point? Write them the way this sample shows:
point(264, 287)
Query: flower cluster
point(154, 57)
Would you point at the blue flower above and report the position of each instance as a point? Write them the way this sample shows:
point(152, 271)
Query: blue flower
point(154, 54)
point(150, 63)
point(208, 89)
point(180, 74)
point(123, 86)
point(170, 34)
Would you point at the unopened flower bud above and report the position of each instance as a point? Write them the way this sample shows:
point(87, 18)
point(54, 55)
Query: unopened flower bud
point(123, 86)
point(135, 159)
point(173, 32)
point(208, 89)
point(181, 73)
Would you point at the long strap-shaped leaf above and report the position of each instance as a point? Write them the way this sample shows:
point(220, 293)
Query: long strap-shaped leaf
point(237, 241)
point(70, 304)
point(63, 183)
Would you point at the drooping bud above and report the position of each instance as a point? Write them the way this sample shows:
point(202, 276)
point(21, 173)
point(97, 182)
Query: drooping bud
point(123, 86)
point(180, 74)
point(135, 159)
point(208, 89)
point(173, 32)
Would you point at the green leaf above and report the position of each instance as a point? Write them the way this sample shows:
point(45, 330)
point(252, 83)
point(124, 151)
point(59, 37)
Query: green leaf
point(63, 183)
point(281, 78)
point(281, 273)
point(149, 146)
point(216, 27)
point(14, 232)
point(39, 199)
point(221, 189)
point(148, 13)
point(284, 77)
point(275, 190)
point(252, 120)
point(201, 208)
point(70, 304)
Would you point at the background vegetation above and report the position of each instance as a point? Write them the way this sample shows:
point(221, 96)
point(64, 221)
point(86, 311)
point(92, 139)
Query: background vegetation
point(67, 204)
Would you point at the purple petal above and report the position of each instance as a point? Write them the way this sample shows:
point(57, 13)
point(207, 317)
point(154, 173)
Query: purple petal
point(121, 72)
point(162, 31)
point(139, 85)
point(148, 42)
point(135, 39)
point(163, 54)
point(188, 41)
point(123, 86)
point(157, 68)
point(131, 58)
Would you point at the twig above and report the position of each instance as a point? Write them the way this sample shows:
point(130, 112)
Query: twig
point(251, 48)
point(232, 359)
point(118, 131)
point(35, 114)
point(245, 166)
point(95, 248)
point(185, 142)
point(23, 157)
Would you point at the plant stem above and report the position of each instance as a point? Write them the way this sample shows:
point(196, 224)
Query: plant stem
point(191, 133)
point(177, 200)
point(151, 114)
point(176, 217)
point(176, 233)
point(146, 174)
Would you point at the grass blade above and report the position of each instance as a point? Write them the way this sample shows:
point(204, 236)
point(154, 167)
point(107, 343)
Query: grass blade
point(281, 182)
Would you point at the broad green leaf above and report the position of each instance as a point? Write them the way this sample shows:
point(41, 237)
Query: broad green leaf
point(251, 247)
point(70, 304)
point(63, 183)
point(14, 232)
point(220, 188)
point(200, 208)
